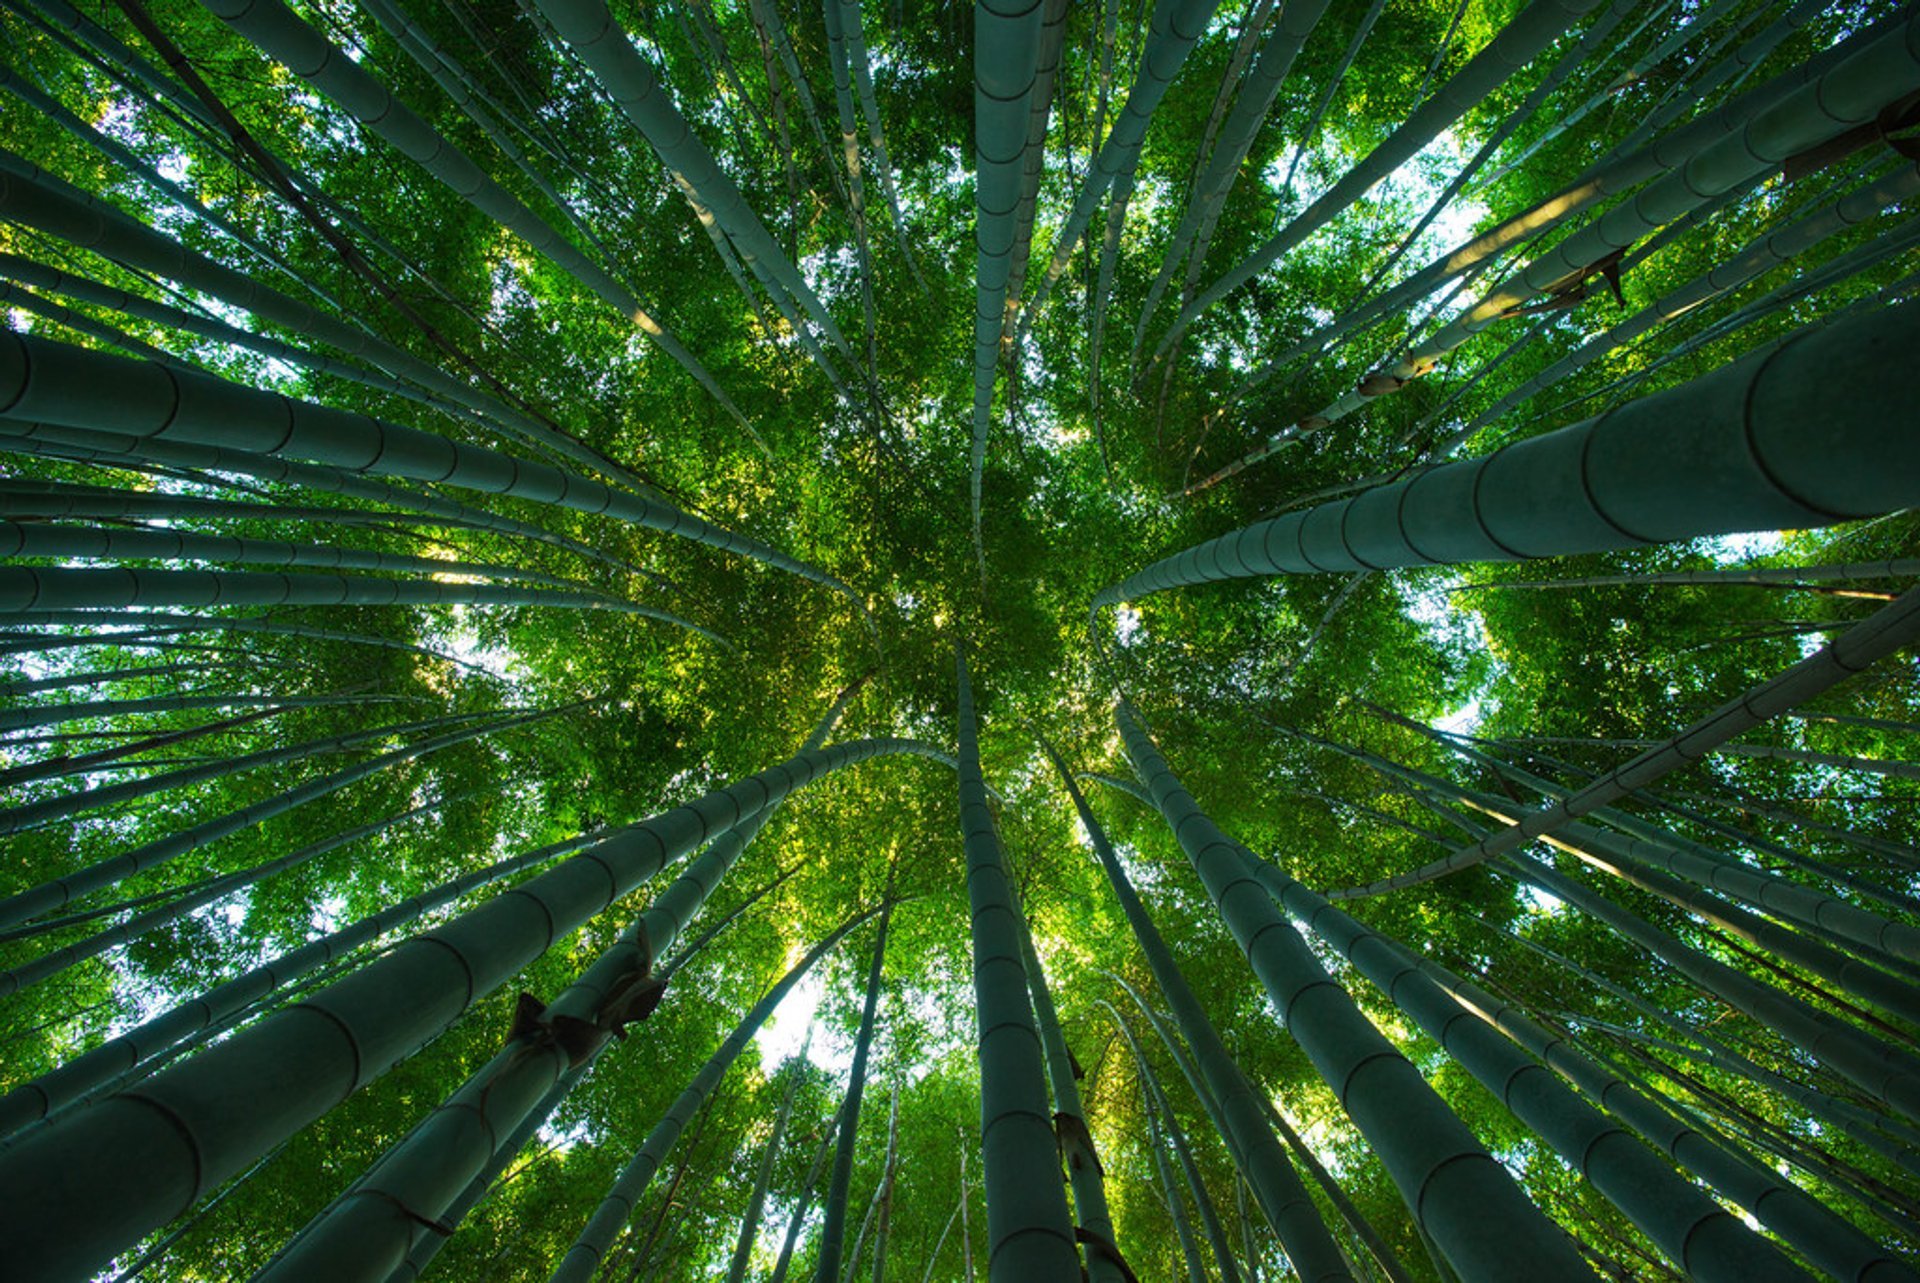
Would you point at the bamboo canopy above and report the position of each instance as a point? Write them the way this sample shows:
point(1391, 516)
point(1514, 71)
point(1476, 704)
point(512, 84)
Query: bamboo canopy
point(563, 567)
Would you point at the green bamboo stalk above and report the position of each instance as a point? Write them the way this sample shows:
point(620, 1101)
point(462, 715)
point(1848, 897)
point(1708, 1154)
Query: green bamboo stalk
point(131, 1163)
point(1883, 632)
point(589, 1249)
point(1161, 1120)
point(763, 1177)
point(55, 767)
point(1822, 1236)
point(1853, 93)
point(1694, 1232)
point(360, 1236)
point(1529, 33)
point(1006, 55)
point(38, 199)
point(124, 451)
point(862, 67)
point(1726, 452)
point(52, 963)
point(282, 36)
point(428, 1245)
point(1456, 1191)
point(805, 1204)
point(1176, 1207)
point(27, 589)
point(42, 381)
point(100, 543)
point(52, 895)
point(1176, 26)
point(593, 33)
point(1053, 19)
point(29, 1104)
point(160, 623)
point(1242, 1123)
point(1874, 1130)
point(1029, 1230)
point(1251, 103)
point(833, 1226)
point(1776, 247)
point(1885, 1074)
point(1084, 1172)
point(835, 15)
point(1620, 171)
point(13, 819)
point(22, 718)
point(1629, 823)
point(1893, 568)
point(1641, 857)
point(888, 1181)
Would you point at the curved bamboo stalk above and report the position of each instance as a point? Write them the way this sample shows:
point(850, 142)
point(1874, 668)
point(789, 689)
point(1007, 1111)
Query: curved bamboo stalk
point(1760, 256)
point(147, 1155)
point(21, 718)
point(591, 31)
point(1464, 1198)
point(28, 589)
point(1237, 1114)
point(1887, 630)
point(274, 29)
point(1194, 234)
point(1176, 1207)
point(763, 1177)
point(833, 1226)
point(26, 815)
point(1029, 1231)
point(1523, 39)
point(1825, 1238)
point(41, 381)
point(28, 1106)
point(47, 965)
point(1853, 93)
point(856, 38)
point(102, 543)
point(1084, 1173)
point(589, 1249)
point(49, 896)
point(30, 195)
point(1053, 20)
point(1873, 1130)
point(1620, 171)
point(1885, 1074)
point(1176, 26)
point(1160, 1112)
point(125, 451)
point(428, 1246)
point(1725, 452)
point(429, 1169)
point(1694, 1232)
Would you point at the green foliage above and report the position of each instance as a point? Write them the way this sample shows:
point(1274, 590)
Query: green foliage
point(873, 490)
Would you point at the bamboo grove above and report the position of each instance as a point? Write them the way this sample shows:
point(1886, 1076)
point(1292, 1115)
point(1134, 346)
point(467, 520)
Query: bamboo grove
point(1210, 640)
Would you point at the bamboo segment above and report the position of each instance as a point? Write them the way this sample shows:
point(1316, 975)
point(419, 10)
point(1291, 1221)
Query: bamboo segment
point(1028, 1227)
point(1006, 55)
point(1530, 32)
point(282, 36)
point(1727, 452)
point(59, 384)
point(1457, 1192)
point(1698, 1235)
point(1255, 1149)
point(590, 1248)
point(136, 1160)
